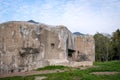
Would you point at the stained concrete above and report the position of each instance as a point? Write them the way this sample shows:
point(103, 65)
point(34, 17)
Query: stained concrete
point(25, 46)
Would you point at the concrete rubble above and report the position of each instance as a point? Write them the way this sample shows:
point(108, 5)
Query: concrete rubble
point(25, 46)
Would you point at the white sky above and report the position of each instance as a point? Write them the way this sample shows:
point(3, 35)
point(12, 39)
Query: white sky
point(85, 16)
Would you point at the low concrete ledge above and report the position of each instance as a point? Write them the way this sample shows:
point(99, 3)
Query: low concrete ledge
point(83, 64)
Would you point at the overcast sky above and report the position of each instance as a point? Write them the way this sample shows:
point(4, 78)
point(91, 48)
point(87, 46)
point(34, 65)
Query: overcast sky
point(85, 16)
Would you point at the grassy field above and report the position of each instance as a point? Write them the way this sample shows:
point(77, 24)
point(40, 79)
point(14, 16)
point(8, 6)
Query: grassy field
point(77, 74)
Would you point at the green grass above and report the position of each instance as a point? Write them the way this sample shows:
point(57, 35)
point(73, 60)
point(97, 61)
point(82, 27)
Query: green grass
point(77, 74)
point(106, 66)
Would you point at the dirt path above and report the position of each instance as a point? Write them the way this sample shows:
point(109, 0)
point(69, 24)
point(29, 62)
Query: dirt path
point(40, 78)
point(105, 73)
point(30, 73)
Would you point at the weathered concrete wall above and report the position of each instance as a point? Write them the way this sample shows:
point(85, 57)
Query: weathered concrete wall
point(20, 47)
point(85, 48)
point(26, 46)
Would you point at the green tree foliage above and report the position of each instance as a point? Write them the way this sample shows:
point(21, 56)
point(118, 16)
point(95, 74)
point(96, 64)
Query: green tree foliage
point(116, 45)
point(102, 47)
point(107, 48)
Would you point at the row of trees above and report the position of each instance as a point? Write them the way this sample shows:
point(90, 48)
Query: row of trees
point(107, 47)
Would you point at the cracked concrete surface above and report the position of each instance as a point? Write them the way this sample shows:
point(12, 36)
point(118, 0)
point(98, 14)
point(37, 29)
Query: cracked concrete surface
point(25, 46)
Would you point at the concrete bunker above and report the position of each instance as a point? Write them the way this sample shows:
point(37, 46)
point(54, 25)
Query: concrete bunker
point(38, 45)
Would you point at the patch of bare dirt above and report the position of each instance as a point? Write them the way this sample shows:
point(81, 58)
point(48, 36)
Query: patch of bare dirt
point(85, 67)
point(105, 73)
point(30, 73)
point(40, 78)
